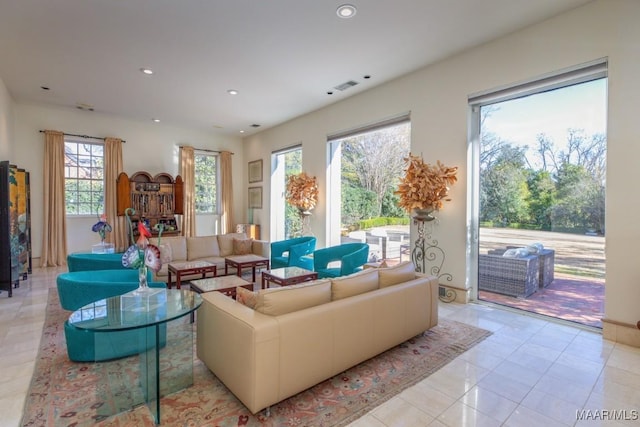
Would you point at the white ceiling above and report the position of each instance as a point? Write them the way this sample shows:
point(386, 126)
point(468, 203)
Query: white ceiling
point(283, 56)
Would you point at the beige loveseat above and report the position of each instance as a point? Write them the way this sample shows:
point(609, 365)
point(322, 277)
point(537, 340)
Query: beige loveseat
point(298, 336)
point(204, 248)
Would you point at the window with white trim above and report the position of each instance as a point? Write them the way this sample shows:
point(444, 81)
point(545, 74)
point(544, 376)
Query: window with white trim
point(206, 183)
point(83, 178)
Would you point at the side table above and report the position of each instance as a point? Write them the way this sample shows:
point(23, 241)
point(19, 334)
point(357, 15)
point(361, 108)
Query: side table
point(189, 268)
point(287, 276)
point(245, 261)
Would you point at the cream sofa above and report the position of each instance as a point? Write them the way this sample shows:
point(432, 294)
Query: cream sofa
point(203, 248)
point(298, 336)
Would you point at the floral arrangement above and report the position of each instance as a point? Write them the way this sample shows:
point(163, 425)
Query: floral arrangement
point(302, 191)
point(102, 227)
point(425, 186)
point(142, 254)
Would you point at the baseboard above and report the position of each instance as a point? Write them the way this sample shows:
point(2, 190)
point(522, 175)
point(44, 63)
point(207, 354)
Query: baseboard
point(620, 332)
point(449, 293)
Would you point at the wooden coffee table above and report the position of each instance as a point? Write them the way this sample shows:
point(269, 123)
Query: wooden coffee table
point(188, 268)
point(287, 276)
point(245, 261)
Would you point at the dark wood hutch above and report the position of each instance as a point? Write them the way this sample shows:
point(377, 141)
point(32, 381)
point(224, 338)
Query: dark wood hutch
point(156, 200)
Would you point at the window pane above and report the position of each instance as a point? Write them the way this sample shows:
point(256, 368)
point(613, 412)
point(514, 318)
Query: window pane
point(206, 185)
point(84, 178)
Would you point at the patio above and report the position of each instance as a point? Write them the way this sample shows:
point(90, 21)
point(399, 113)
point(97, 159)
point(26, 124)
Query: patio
point(576, 293)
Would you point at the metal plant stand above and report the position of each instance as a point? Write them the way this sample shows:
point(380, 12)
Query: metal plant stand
point(427, 249)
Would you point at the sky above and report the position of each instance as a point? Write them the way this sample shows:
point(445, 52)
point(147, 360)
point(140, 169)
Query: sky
point(582, 106)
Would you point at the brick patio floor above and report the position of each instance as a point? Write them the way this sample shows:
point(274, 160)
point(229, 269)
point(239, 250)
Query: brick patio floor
point(568, 297)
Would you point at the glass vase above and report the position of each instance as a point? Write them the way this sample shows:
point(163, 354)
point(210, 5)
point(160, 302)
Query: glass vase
point(142, 278)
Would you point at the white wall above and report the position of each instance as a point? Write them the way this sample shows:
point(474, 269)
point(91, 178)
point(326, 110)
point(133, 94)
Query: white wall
point(437, 99)
point(150, 147)
point(6, 123)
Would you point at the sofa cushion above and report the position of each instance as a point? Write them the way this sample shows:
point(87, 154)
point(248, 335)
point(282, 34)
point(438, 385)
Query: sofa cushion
point(178, 246)
point(242, 246)
point(166, 256)
point(202, 247)
point(287, 299)
point(354, 284)
point(225, 241)
point(246, 297)
point(400, 273)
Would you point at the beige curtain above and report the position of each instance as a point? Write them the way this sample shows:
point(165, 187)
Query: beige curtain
point(188, 174)
point(113, 165)
point(54, 230)
point(226, 205)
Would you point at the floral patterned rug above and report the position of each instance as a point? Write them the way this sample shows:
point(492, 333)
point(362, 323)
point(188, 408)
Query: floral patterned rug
point(65, 393)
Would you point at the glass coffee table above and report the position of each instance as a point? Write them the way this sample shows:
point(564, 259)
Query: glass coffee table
point(225, 284)
point(189, 268)
point(287, 276)
point(146, 312)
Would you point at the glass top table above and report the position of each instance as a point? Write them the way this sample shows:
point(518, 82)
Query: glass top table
point(147, 312)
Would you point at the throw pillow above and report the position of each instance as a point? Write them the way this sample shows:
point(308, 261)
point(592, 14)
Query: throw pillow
point(225, 242)
point(165, 253)
point(400, 273)
point(354, 284)
point(246, 297)
point(242, 246)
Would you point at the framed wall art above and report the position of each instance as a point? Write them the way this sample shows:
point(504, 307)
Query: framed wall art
point(255, 197)
point(255, 171)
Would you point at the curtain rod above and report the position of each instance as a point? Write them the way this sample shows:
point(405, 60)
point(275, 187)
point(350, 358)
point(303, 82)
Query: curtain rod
point(83, 136)
point(204, 149)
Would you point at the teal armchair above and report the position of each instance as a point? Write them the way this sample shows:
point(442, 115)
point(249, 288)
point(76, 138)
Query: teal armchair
point(352, 257)
point(291, 252)
point(77, 289)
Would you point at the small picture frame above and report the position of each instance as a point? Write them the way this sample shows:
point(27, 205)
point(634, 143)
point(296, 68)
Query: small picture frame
point(255, 171)
point(255, 197)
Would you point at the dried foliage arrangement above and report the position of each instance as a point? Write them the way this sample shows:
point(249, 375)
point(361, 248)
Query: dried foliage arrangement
point(425, 186)
point(302, 191)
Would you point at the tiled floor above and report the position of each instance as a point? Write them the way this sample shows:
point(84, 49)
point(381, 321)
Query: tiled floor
point(530, 372)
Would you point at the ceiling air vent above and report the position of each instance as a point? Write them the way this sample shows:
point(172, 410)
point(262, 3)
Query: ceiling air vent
point(255, 125)
point(346, 85)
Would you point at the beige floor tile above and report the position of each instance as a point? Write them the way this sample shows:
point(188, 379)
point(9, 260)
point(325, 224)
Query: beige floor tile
point(398, 412)
point(489, 403)
point(461, 415)
point(525, 417)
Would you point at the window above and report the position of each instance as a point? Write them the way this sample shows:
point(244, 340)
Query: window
point(285, 220)
point(365, 165)
point(206, 183)
point(84, 178)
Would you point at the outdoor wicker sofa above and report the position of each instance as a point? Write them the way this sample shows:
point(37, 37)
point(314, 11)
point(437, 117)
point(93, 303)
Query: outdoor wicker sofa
point(517, 277)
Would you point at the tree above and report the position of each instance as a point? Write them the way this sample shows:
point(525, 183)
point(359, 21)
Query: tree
point(542, 198)
point(580, 199)
point(376, 160)
point(504, 192)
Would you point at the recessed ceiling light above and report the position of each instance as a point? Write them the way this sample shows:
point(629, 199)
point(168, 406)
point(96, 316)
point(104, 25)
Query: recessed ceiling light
point(241, 131)
point(147, 71)
point(156, 120)
point(346, 11)
point(232, 92)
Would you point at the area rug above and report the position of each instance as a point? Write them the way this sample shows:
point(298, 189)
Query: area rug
point(64, 393)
